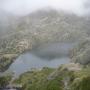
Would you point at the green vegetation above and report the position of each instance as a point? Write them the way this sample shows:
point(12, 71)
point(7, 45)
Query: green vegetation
point(82, 80)
point(6, 60)
point(81, 84)
point(37, 80)
point(56, 79)
point(4, 80)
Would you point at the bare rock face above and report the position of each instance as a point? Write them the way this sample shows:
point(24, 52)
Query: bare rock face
point(81, 53)
point(24, 45)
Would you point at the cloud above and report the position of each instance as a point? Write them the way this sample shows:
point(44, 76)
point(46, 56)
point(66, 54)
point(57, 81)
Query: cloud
point(22, 7)
point(75, 6)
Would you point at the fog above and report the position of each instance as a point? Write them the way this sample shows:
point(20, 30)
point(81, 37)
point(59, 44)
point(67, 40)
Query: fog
point(23, 7)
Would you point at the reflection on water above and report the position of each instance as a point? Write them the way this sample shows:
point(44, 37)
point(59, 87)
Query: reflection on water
point(28, 61)
point(50, 55)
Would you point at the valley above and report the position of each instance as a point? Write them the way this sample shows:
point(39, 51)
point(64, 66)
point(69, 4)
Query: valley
point(46, 50)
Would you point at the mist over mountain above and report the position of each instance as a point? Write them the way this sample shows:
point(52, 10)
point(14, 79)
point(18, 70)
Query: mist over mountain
point(33, 32)
point(23, 33)
point(24, 7)
point(19, 33)
point(44, 26)
point(15, 12)
point(42, 20)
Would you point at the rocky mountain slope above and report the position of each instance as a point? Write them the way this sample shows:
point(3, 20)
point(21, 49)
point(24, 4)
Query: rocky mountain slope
point(25, 33)
point(44, 26)
point(28, 32)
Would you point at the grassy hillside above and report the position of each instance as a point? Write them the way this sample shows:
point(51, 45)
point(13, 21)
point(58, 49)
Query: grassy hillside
point(66, 77)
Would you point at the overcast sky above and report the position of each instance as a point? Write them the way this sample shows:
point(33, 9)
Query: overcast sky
point(22, 7)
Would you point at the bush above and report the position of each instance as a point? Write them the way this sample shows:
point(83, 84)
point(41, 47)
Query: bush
point(4, 81)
